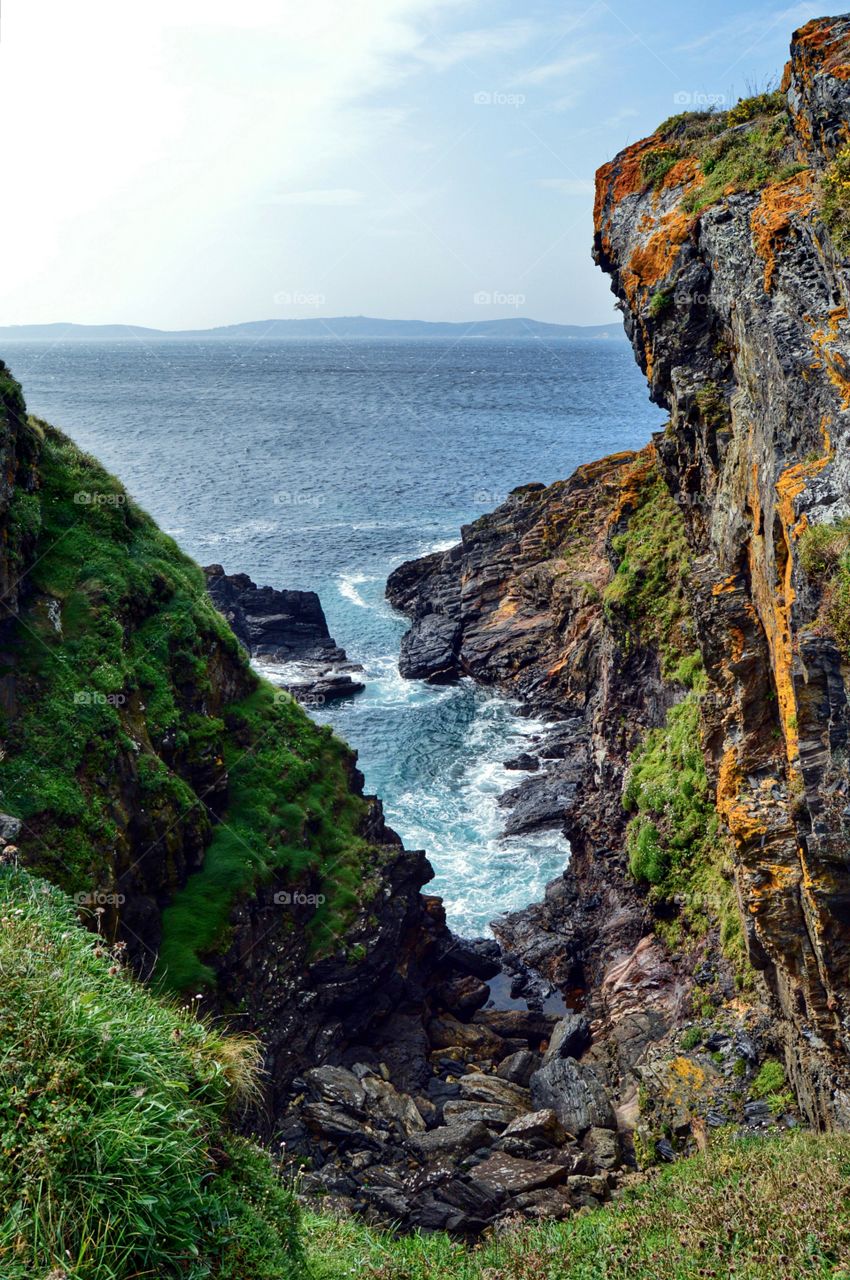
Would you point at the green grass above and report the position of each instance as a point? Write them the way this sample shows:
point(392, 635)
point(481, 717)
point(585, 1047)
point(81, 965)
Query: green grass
point(118, 1160)
point(755, 1209)
point(655, 165)
point(835, 201)
point(742, 149)
point(647, 592)
point(139, 726)
point(823, 552)
point(674, 841)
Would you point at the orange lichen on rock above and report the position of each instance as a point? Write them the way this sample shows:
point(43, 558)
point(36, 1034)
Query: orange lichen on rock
point(621, 176)
point(823, 51)
point(772, 217)
point(832, 362)
point(653, 261)
point(744, 823)
point(633, 484)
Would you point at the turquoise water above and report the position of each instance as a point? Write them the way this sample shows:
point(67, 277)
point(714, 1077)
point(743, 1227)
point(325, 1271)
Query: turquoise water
point(322, 465)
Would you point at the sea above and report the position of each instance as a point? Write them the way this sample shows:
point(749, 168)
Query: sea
point(322, 464)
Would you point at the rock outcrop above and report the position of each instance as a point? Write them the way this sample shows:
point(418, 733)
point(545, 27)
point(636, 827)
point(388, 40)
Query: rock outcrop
point(287, 629)
point(695, 595)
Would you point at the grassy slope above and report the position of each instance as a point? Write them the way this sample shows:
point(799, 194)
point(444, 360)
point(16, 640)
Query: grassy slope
point(121, 709)
point(117, 1159)
point(756, 1210)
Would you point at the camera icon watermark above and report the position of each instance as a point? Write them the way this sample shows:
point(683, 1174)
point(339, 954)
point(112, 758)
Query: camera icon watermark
point(89, 498)
point(496, 298)
point(495, 98)
point(283, 898)
point(298, 298)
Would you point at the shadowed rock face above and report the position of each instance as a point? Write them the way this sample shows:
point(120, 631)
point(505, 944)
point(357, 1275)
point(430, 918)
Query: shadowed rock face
point(749, 354)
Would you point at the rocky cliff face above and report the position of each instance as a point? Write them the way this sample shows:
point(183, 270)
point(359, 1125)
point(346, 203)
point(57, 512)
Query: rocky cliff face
point(736, 303)
point(692, 601)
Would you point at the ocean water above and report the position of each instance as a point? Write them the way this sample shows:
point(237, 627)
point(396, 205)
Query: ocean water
point(322, 465)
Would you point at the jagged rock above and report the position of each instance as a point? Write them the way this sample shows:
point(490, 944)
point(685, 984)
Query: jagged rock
point(570, 1038)
point(463, 995)
point(519, 1067)
point(517, 1024)
point(336, 1086)
point(524, 761)
point(602, 1147)
point(458, 1139)
point(481, 1088)
point(495, 1115)
point(445, 1032)
point(285, 627)
point(537, 1127)
point(575, 1093)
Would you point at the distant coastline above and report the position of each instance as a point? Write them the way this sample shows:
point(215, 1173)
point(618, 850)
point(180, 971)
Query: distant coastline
point(334, 327)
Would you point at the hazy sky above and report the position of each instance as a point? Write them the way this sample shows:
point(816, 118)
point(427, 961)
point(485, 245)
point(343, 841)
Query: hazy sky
point(197, 162)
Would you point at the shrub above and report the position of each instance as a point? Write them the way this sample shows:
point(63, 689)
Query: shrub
point(660, 303)
point(655, 165)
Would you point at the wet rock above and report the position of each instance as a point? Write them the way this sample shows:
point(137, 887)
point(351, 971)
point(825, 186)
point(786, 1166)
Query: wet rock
point(463, 995)
point(523, 762)
point(430, 651)
point(518, 1024)
point(538, 803)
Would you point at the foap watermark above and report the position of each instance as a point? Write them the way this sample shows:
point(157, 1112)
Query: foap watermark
point(496, 98)
point(94, 698)
point(298, 298)
point(298, 498)
point(495, 298)
point(90, 498)
point(488, 498)
point(100, 898)
point(700, 101)
point(283, 898)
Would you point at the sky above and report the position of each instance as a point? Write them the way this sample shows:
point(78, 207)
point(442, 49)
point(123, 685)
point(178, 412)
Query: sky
point(188, 163)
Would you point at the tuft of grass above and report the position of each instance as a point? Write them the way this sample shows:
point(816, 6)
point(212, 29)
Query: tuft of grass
point(823, 551)
point(660, 303)
point(655, 165)
point(753, 1209)
point(118, 1160)
point(674, 841)
point(647, 592)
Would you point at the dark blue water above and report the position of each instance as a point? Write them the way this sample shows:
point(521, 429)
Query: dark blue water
point(324, 464)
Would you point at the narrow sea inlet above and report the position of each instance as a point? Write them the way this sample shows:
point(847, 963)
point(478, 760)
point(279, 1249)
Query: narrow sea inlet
point(322, 465)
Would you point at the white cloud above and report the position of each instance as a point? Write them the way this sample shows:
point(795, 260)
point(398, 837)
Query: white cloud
point(545, 72)
point(470, 46)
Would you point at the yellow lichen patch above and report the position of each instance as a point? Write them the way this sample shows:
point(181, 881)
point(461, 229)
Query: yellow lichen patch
point(771, 219)
point(773, 878)
point(744, 823)
point(832, 362)
point(690, 1072)
point(738, 641)
point(633, 484)
point(653, 260)
point(727, 585)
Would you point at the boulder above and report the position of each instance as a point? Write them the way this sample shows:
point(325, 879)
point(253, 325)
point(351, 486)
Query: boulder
point(458, 1139)
point(491, 1114)
point(336, 1086)
point(508, 1173)
point(480, 1088)
point(537, 1126)
point(569, 1039)
point(519, 1067)
point(575, 1093)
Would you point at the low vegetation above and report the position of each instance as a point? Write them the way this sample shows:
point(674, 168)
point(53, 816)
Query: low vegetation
point(647, 592)
point(134, 698)
point(750, 1209)
point(823, 552)
point(742, 149)
point(835, 201)
point(118, 1159)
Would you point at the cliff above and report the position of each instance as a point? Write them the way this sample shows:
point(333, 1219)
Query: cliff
point(684, 612)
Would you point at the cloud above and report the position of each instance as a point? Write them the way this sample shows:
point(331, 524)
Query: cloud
point(327, 196)
point(545, 72)
point(470, 46)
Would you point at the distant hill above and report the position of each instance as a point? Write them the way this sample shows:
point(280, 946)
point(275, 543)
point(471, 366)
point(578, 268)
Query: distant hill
point(338, 327)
